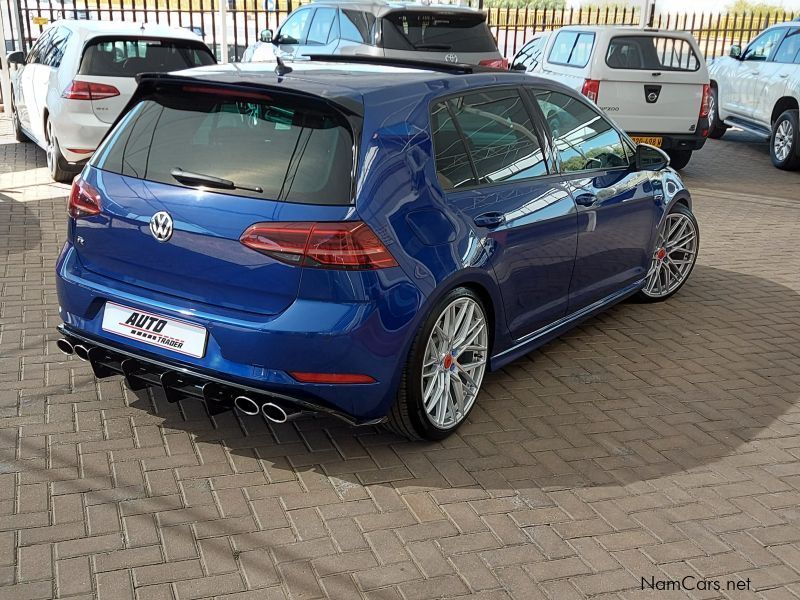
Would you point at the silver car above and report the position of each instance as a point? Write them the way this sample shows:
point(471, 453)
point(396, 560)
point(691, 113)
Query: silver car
point(375, 28)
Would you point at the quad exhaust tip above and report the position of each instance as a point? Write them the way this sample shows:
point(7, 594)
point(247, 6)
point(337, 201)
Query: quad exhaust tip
point(82, 352)
point(246, 405)
point(65, 346)
point(274, 413)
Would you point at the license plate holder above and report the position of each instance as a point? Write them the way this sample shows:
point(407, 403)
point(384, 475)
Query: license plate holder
point(653, 140)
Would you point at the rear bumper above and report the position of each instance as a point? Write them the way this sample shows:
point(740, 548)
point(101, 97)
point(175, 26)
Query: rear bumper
point(79, 133)
point(681, 141)
point(255, 353)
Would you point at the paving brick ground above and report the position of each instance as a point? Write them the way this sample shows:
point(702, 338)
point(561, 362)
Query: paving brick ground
point(654, 441)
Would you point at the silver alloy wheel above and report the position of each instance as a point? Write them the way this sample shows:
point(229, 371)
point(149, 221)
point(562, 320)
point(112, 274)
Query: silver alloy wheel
point(674, 256)
point(50, 150)
point(712, 110)
point(454, 363)
point(784, 136)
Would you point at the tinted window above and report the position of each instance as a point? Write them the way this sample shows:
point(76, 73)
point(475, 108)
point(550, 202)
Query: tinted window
point(294, 28)
point(453, 166)
point(442, 32)
point(572, 48)
point(356, 26)
point(652, 53)
point(585, 140)
point(789, 50)
point(294, 151)
point(53, 51)
point(761, 48)
point(321, 26)
point(129, 57)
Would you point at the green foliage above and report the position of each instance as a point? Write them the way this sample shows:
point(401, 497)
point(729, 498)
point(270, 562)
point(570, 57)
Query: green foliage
point(532, 4)
point(754, 8)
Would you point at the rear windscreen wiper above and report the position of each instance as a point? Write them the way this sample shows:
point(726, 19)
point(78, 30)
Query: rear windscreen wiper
point(189, 178)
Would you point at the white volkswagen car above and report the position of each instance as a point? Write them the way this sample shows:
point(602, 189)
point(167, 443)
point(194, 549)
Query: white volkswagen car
point(78, 76)
point(758, 90)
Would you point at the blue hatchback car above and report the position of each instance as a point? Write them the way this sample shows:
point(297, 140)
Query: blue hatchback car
point(360, 239)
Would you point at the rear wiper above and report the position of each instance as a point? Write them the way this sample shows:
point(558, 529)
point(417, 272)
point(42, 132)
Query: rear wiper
point(189, 178)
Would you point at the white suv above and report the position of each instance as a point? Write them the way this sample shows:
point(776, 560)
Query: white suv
point(653, 83)
point(758, 90)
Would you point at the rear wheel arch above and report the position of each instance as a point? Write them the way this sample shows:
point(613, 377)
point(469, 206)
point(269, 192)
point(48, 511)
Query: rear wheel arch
point(782, 105)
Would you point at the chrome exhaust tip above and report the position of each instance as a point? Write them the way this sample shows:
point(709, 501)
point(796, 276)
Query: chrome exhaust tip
point(65, 346)
point(274, 413)
point(82, 352)
point(246, 405)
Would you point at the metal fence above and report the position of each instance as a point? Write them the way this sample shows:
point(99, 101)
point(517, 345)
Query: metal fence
point(512, 27)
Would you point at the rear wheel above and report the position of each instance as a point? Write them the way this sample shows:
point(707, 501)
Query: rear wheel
point(678, 159)
point(445, 369)
point(56, 163)
point(674, 256)
point(716, 128)
point(783, 143)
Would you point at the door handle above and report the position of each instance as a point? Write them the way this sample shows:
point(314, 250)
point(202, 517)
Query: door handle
point(585, 199)
point(490, 219)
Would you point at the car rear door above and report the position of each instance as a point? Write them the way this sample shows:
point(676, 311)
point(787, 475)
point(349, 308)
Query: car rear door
point(492, 160)
point(617, 206)
point(652, 83)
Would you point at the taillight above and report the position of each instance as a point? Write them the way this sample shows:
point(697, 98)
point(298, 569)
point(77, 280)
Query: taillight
point(347, 245)
point(334, 378)
point(705, 102)
point(84, 200)
point(88, 90)
point(495, 63)
point(591, 89)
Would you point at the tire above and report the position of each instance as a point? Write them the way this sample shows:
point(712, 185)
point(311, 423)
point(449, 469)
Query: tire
point(674, 257)
point(19, 135)
point(716, 128)
point(784, 142)
point(56, 163)
point(678, 159)
point(443, 370)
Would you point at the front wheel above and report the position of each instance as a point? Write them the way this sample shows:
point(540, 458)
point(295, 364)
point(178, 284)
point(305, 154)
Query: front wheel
point(678, 159)
point(783, 143)
point(445, 369)
point(674, 256)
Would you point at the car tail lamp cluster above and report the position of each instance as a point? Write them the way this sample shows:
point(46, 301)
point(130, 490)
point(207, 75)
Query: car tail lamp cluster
point(495, 63)
point(345, 245)
point(89, 90)
point(591, 89)
point(706, 101)
point(84, 200)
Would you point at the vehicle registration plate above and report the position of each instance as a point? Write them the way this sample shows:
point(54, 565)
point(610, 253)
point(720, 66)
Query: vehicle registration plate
point(156, 330)
point(652, 140)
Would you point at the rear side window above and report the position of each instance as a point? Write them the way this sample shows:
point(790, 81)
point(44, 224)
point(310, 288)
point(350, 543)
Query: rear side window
point(129, 57)
point(356, 26)
point(789, 50)
point(651, 53)
point(437, 32)
point(572, 48)
point(283, 149)
point(495, 129)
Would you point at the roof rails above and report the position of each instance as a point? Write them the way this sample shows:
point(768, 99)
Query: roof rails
point(428, 65)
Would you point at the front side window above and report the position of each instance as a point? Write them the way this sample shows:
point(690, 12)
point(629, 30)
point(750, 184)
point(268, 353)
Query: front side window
point(572, 48)
point(585, 140)
point(761, 48)
point(120, 57)
point(437, 32)
point(275, 148)
point(651, 53)
point(321, 26)
point(294, 28)
point(789, 50)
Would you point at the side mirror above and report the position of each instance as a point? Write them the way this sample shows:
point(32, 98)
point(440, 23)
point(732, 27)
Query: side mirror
point(650, 158)
point(735, 51)
point(265, 36)
point(16, 58)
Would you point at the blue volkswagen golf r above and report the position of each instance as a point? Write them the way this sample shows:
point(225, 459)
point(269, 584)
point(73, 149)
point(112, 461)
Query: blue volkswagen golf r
point(357, 238)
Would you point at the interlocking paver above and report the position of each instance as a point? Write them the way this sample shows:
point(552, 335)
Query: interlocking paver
point(653, 440)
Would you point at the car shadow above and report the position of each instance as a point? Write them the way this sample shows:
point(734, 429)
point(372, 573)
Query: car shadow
point(20, 230)
point(640, 392)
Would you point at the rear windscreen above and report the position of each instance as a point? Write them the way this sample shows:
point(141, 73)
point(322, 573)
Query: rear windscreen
point(129, 57)
point(437, 32)
point(281, 149)
point(651, 53)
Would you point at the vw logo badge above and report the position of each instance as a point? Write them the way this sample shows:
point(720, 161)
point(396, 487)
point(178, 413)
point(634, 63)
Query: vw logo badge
point(451, 58)
point(161, 226)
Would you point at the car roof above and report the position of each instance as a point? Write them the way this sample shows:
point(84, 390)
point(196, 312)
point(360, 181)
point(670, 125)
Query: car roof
point(87, 29)
point(626, 29)
point(379, 7)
